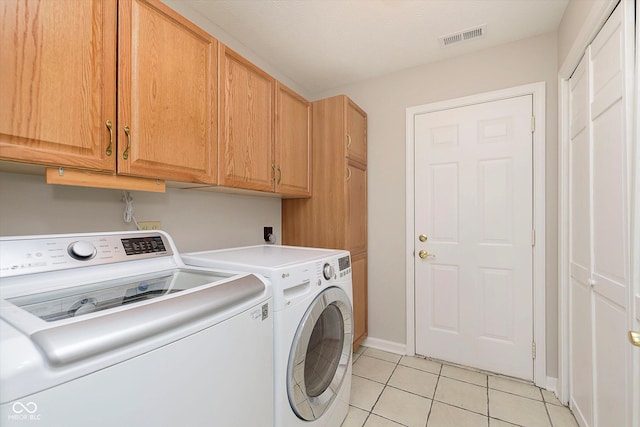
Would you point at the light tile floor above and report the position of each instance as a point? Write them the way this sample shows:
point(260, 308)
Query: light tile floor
point(389, 390)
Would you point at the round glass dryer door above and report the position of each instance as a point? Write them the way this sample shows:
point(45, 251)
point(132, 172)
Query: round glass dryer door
point(320, 354)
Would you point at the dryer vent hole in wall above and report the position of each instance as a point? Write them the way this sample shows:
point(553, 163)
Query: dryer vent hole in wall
point(461, 36)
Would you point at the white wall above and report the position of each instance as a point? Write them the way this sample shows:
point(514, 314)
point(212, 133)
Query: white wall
point(385, 100)
point(196, 220)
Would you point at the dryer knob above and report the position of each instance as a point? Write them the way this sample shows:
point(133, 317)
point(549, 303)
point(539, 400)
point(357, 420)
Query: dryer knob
point(328, 271)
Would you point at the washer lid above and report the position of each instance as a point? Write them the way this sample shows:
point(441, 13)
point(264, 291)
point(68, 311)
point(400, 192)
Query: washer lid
point(81, 300)
point(70, 340)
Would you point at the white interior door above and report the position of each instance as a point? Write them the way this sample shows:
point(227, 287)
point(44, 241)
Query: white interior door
point(473, 204)
point(600, 297)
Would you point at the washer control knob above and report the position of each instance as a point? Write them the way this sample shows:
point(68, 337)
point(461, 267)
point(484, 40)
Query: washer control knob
point(328, 271)
point(82, 250)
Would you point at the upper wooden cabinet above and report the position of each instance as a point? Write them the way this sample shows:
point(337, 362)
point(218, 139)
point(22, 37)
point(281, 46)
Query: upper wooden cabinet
point(167, 95)
point(247, 108)
point(293, 143)
point(58, 88)
point(265, 130)
point(355, 132)
point(57, 82)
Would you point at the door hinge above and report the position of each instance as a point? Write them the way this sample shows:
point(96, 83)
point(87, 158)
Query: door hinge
point(533, 237)
point(533, 350)
point(533, 124)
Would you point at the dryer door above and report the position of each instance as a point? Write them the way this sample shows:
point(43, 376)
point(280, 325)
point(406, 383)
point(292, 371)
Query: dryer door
point(320, 354)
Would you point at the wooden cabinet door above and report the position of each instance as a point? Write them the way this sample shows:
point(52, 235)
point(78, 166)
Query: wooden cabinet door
point(293, 143)
point(166, 94)
point(359, 283)
point(247, 102)
point(356, 201)
point(57, 82)
point(356, 132)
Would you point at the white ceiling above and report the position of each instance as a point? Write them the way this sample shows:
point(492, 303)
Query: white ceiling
point(323, 44)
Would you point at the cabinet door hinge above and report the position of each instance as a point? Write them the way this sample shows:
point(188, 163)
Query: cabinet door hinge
point(533, 350)
point(533, 124)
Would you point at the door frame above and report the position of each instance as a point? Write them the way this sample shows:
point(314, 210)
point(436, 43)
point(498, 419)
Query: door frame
point(537, 90)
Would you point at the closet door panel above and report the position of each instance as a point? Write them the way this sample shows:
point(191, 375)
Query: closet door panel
point(610, 367)
point(580, 204)
point(610, 225)
point(581, 378)
point(581, 338)
point(610, 207)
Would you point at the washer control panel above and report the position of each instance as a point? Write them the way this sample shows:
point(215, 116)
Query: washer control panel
point(36, 254)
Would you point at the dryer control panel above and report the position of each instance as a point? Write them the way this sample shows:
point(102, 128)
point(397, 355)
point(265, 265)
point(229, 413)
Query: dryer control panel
point(344, 264)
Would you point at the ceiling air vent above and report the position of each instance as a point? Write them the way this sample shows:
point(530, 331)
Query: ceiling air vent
point(472, 33)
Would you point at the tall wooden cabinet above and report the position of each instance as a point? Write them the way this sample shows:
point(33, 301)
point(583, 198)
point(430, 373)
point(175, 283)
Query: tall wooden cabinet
point(58, 89)
point(336, 214)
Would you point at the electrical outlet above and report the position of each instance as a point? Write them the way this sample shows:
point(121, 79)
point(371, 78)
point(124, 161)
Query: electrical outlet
point(149, 225)
point(268, 235)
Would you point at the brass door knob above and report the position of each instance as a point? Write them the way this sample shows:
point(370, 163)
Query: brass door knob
point(422, 237)
point(424, 254)
point(634, 338)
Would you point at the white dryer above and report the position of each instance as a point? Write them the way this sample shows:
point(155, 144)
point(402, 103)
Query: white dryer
point(313, 326)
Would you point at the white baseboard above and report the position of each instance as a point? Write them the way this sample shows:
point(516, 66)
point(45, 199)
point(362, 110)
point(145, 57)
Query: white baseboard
point(390, 346)
point(552, 385)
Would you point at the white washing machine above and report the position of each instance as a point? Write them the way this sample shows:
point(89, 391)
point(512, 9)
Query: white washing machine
point(112, 329)
point(313, 327)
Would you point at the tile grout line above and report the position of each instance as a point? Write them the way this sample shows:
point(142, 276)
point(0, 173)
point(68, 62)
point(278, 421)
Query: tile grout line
point(488, 406)
point(546, 409)
point(433, 398)
point(383, 388)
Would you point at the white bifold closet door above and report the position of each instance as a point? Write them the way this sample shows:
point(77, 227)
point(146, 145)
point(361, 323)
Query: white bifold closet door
point(600, 286)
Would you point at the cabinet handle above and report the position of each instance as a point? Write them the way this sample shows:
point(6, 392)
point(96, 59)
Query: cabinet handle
point(127, 131)
point(279, 175)
point(273, 176)
point(109, 126)
point(348, 141)
point(348, 174)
